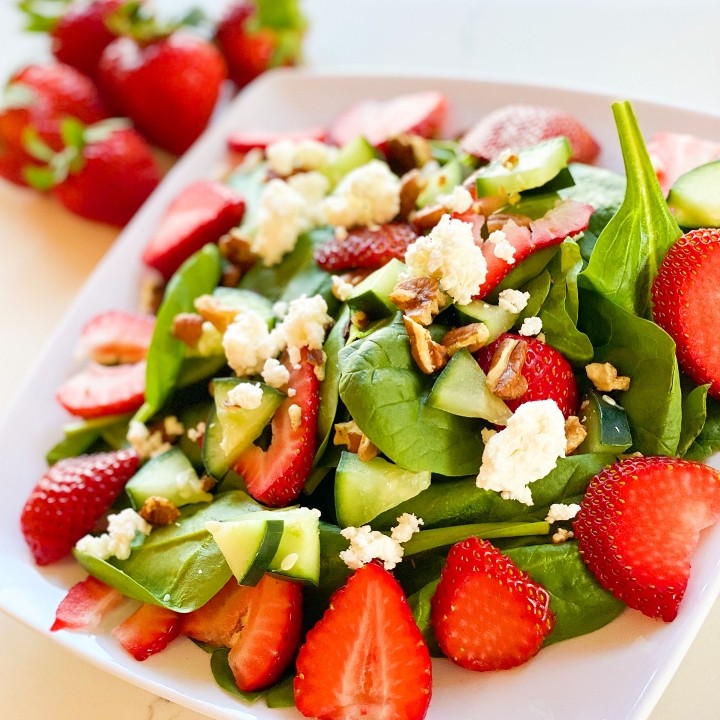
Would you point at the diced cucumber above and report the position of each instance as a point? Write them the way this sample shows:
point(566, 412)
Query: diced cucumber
point(608, 430)
point(364, 489)
point(248, 545)
point(169, 475)
point(532, 206)
point(694, 199)
point(371, 296)
point(530, 168)
point(525, 271)
point(461, 389)
point(441, 182)
point(496, 319)
point(231, 430)
point(297, 554)
point(191, 416)
point(356, 153)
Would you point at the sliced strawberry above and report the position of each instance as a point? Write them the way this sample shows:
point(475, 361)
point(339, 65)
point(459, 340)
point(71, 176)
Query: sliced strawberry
point(519, 126)
point(422, 113)
point(243, 141)
point(366, 656)
point(366, 247)
point(639, 524)
point(682, 304)
point(674, 154)
point(148, 630)
point(85, 605)
point(117, 336)
point(70, 498)
point(549, 375)
point(201, 214)
point(101, 390)
point(567, 218)
point(488, 614)
point(276, 476)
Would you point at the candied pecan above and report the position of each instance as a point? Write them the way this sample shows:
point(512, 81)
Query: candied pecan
point(350, 435)
point(505, 378)
point(159, 511)
point(575, 433)
point(472, 336)
point(187, 327)
point(360, 319)
point(152, 290)
point(419, 298)
point(230, 275)
point(212, 310)
point(412, 183)
point(429, 355)
point(604, 376)
point(406, 151)
point(236, 248)
point(427, 217)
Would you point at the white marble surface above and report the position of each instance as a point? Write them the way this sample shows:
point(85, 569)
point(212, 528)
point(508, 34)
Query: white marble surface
point(660, 50)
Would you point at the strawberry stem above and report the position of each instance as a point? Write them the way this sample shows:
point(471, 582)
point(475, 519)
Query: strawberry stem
point(42, 15)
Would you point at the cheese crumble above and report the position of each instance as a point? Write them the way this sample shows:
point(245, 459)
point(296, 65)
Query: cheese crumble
point(247, 396)
point(117, 541)
point(514, 301)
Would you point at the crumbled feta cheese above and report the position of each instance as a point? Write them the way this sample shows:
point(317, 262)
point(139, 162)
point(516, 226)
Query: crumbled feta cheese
point(531, 326)
point(561, 511)
point(280, 309)
point(367, 195)
point(501, 247)
point(172, 426)
point(525, 451)
point(248, 343)
point(188, 483)
point(458, 201)
point(313, 187)
point(561, 535)
point(247, 396)
point(274, 373)
point(210, 341)
point(145, 443)
point(341, 233)
point(292, 392)
point(196, 433)
point(367, 544)
point(514, 301)
point(117, 541)
point(341, 289)
point(295, 413)
point(304, 325)
point(486, 434)
point(407, 526)
point(449, 254)
point(286, 156)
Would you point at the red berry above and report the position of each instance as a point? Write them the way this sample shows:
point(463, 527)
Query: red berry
point(70, 498)
point(85, 605)
point(242, 141)
point(683, 304)
point(487, 614)
point(639, 524)
point(117, 336)
point(148, 630)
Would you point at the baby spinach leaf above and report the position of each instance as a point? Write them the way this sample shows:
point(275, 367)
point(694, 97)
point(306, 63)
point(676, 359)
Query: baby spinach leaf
point(694, 412)
point(644, 352)
point(81, 435)
point(421, 607)
point(630, 249)
point(386, 395)
point(197, 276)
point(538, 287)
point(579, 603)
point(178, 566)
point(708, 440)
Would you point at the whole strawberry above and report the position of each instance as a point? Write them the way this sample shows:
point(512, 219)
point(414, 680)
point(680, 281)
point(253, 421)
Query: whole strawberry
point(683, 305)
point(256, 35)
point(638, 524)
point(70, 499)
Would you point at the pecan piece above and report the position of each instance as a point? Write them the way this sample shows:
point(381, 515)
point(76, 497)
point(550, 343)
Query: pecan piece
point(429, 355)
point(575, 433)
point(349, 434)
point(235, 248)
point(505, 378)
point(604, 377)
point(427, 217)
point(187, 327)
point(419, 298)
point(212, 310)
point(406, 151)
point(472, 336)
point(412, 184)
point(159, 511)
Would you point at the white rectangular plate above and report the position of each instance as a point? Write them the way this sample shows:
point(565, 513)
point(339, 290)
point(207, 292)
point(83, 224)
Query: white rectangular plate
point(617, 672)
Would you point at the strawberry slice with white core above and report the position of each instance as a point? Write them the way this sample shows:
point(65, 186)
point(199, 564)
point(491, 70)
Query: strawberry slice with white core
point(149, 630)
point(85, 605)
point(422, 113)
point(116, 337)
point(201, 214)
point(101, 390)
point(242, 141)
point(674, 154)
point(520, 126)
point(640, 522)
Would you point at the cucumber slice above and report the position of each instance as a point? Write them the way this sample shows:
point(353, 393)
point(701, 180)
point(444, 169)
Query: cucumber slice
point(356, 153)
point(694, 199)
point(248, 545)
point(441, 182)
point(496, 319)
point(608, 430)
point(364, 489)
point(461, 389)
point(231, 430)
point(535, 166)
point(371, 296)
point(169, 475)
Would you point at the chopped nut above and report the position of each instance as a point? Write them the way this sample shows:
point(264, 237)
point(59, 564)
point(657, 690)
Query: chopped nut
point(429, 355)
point(151, 293)
point(360, 319)
point(509, 159)
point(604, 376)
point(419, 298)
point(230, 275)
point(505, 377)
point(348, 434)
point(412, 184)
point(575, 433)
point(427, 217)
point(472, 336)
point(236, 248)
point(317, 358)
point(405, 152)
point(187, 327)
point(366, 450)
point(212, 310)
point(207, 483)
point(497, 221)
point(562, 535)
point(159, 511)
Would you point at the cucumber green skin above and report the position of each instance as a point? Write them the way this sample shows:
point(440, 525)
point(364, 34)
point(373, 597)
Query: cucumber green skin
point(536, 166)
point(356, 153)
point(496, 319)
point(694, 199)
point(372, 295)
point(461, 389)
point(442, 182)
point(608, 430)
point(364, 489)
point(158, 477)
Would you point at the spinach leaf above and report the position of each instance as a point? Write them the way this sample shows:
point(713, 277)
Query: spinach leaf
point(386, 395)
point(708, 440)
point(178, 566)
point(646, 353)
point(197, 276)
point(559, 313)
point(538, 287)
point(525, 271)
point(80, 436)
point(421, 607)
point(694, 413)
point(630, 249)
point(601, 188)
point(579, 603)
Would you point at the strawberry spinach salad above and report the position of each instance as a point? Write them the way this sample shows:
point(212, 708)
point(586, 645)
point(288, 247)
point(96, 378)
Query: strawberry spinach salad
point(440, 390)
